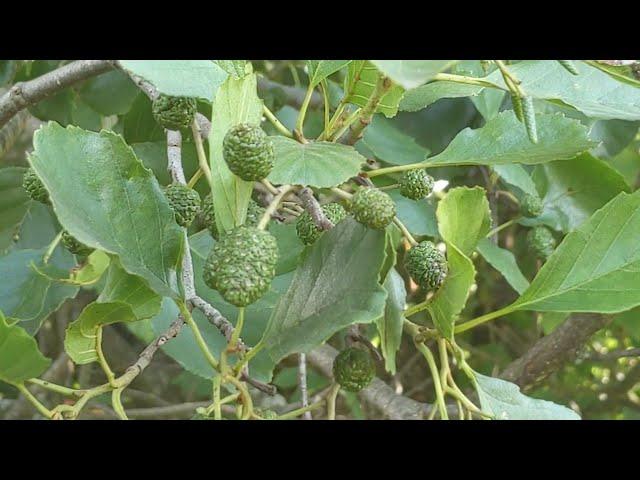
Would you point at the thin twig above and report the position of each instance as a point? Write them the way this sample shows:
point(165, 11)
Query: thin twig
point(204, 125)
point(217, 320)
point(25, 94)
point(302, 383)
point(147, 88)
point(312, 206)
point(174, 156)
point(615, 355)
point(226, 328)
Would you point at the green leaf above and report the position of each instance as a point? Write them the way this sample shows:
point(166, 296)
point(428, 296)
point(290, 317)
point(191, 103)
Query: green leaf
point(597, 266)
point(614, 135)
point(111, 93)
point(89, 273)
point(393, 237)
point(418, 216)
point(345, 259)
point(464, 218)
point(452, 295)
point(8, 69)
point(391, 145)
point(421, 97)
point(390, 324)
point(139, 126)
point(627, 162)
point(321, 69)
point(107, 199)
point(83, 116)
point(14, 204)
point(154, 156)
point(235, 68)
point(572, 190)
point(289, 246)
point(123, 287)
point(502, 140)
point(26, 295)
point(517, 176)
point(186, 78)
point(359, 85)
point(38, 229)
point(20, 358)
point(503, 261)
point(503, 401)
point(412, 73)
point(81, 334)
point(184, 348)
point(488, 102)
point(593, 92)
point(236, 102)
point(316, 164)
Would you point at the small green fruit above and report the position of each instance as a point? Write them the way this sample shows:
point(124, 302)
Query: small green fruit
point(309, 232)
point(248, 151)
point(174, 113)
point(353, 369)
point(254, 214)
point(426, 265)
point(531, 205)
point(208, 216)
point(35, 188)
point(373, 208)
point(184, 201)
point(266, 414)
point(241, 265)
point(416, 184)
point(541, 242)
point(74, 246)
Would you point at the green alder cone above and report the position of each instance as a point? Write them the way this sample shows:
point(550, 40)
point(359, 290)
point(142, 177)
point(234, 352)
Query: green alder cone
point(373, 208)
point(242, 264)
point(248, 151)
point(74, 246)
point(254, 214)
point(354, 369)
point(184, 201)
point(207, 216)
point(174, 113)
point(426, 265)
point(266, 414)
point(35, 188)
point(541, 242)
point(416, 184)
point(531, 205)
point(308, 232)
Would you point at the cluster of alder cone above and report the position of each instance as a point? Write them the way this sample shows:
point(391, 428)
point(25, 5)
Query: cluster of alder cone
point(241, 264)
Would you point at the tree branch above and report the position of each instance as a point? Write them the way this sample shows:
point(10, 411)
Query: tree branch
point(379, 395)
point(302, 384)
point(550, 353)
point(312, 206)
point(144, 359)
point(147, 88)
point(615, 355)
point(24, 94)
point(217, 320)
